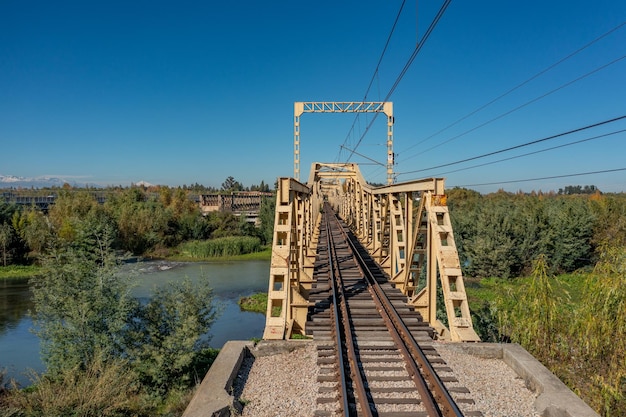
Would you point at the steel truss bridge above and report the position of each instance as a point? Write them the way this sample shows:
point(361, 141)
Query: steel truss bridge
point(405, 227)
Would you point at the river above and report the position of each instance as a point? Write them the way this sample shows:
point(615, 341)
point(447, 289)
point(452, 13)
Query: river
point(19, 347)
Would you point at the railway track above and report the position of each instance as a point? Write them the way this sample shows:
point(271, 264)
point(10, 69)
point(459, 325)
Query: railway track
point(375, 353)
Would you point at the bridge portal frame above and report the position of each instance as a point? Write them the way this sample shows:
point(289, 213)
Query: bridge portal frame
point(300, 107)
point(405, 227)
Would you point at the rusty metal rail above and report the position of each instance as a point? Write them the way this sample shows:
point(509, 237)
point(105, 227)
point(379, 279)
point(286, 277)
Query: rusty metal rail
point(349, 280)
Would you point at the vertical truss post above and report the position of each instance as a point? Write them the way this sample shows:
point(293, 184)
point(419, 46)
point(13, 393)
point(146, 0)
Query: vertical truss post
point(287, 303)
point(298, 108)
point(388, 109)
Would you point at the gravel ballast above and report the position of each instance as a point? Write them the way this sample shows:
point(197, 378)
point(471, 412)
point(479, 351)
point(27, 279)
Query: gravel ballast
point(285, 384)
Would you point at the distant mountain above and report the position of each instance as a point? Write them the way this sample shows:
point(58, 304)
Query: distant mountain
point(144, 184)
point(11, 181)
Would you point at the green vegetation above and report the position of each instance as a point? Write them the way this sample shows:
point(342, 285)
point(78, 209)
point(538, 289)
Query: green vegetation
point(19, 271)
point(220, 247)
point(502, 234)
point(564, 320)
point(560, 292)
point(106, 352)
point(152, 222)
point(256, 303)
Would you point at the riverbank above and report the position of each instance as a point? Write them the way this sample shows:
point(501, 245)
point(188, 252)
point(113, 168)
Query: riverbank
point(264, 255)
point(30, 271)
point(19, 271)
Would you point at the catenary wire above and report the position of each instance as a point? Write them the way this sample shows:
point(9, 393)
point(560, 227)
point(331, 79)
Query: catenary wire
point(544, 178)
point(380, 60)
point(518, 107)
point(537, 75)
point(404, 70)
point(558, 135)
point(533, 153)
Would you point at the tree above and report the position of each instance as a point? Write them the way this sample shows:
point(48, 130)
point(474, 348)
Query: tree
point(85, 314)
point(231, 185)
point(266, 218)
point(81, 305)
point(34, 228)
point(166, 338)
point(6, 236)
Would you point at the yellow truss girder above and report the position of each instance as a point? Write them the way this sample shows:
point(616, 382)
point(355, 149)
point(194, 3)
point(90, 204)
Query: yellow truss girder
point(406, 228)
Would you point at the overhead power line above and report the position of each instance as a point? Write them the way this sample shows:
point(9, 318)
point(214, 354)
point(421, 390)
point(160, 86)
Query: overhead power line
point(545, 178)
point(569, 132)
point(537, 75)
point(380, 60)
point(419, 46)
point(518, 107)
point(535, 152)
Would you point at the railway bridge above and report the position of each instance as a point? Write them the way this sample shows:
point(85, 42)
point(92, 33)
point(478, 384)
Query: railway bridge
point(360, 269)
point(405, 227)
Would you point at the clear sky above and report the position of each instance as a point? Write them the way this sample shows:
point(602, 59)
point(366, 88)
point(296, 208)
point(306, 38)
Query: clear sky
point(111, 92)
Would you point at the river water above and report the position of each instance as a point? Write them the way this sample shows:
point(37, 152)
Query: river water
point(19, 347)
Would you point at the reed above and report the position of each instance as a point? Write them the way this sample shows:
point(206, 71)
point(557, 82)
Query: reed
point(220, 247)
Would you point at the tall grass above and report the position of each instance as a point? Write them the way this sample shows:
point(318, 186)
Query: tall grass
point(103, 389)
point(581, 338)
point(220, 247)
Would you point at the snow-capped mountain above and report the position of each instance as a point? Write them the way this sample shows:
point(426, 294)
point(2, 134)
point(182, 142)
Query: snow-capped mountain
point(8, 181)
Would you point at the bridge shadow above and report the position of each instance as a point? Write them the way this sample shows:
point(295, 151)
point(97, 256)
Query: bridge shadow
point(240, 382)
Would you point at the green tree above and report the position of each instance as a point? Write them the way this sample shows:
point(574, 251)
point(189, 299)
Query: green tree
point(34, 229)
point(491, 251)
point(266, 219)
point(168, 334)
point(6, 236)
point(85, 315)
point(569, 234)
point(81, 305)
point(142, 223)
point(600, 330)
point(231, 185)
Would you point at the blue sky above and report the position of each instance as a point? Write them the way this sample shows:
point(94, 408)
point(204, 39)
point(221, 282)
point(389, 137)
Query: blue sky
point(183, 92)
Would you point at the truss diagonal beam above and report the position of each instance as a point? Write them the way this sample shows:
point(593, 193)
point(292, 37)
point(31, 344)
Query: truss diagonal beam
point(342, 107)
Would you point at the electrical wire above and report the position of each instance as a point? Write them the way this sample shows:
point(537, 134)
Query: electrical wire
point(405, 69)
point(537, 75)
point(544, 178)
point(518, 107)
point(380, 60)
point(569, 132)
point(532, 153)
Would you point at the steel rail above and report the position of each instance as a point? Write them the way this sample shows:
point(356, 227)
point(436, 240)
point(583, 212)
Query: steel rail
point(436, 399)
point(337, 327)
point(345, 330)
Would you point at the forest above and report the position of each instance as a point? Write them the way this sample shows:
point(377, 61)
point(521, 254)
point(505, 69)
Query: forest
point(147, 221)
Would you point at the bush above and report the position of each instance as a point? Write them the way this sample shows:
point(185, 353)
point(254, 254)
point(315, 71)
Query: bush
point(87, 320)
point(168, 337)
